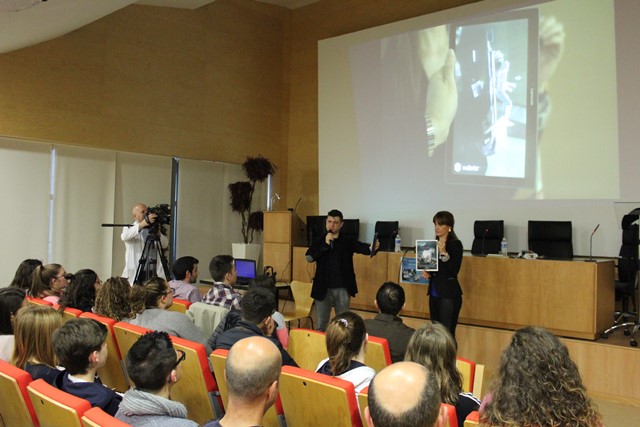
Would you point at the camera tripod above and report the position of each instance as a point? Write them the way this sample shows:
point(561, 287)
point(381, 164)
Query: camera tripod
point(149, 259)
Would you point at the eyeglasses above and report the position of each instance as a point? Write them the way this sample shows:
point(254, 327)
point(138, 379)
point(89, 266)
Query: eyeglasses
point(65, 275)
point(182, 357)
point(170, 291)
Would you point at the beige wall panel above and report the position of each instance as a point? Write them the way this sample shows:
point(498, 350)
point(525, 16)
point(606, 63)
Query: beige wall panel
point(202, 84)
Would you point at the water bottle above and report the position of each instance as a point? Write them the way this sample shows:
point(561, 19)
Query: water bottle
point(398, 243)
point(504, 247)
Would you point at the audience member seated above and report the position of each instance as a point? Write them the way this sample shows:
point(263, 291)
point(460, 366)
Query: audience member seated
point(252, 372)
point(537, 384)
point(389, 301)
point(185, 273)
point(224, 275)
point(151, 301)
point(81, 347)
point(11, 300)
point(282, 333)
point(346, 346)
point(257, 309)
point(49, 282)
point(24, 274)
point(81, 292)
point(114, 299)
point(405, 394)
point(154, 366)
point(229, 321)
point(34, 349)
point(433, 347)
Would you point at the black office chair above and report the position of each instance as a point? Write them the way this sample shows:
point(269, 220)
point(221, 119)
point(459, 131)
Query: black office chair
point(387, 232)
point(350, 227)
point(551, 239)
point(487, 235)
point(627, 283)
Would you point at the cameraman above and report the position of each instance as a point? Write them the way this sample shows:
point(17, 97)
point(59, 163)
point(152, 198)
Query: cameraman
point(134, 238)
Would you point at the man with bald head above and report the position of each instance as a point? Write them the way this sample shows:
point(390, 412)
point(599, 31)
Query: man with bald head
point(134, 238)
point(405, 394)
point(252, 373)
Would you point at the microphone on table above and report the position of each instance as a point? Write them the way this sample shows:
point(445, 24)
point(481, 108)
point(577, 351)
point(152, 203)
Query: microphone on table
point(486, 230)
point(591, 243)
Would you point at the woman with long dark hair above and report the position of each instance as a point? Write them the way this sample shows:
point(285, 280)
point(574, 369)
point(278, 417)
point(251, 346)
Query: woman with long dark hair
point(445, 293)
point(24, 274)
point(82, 290)
point(11, 301)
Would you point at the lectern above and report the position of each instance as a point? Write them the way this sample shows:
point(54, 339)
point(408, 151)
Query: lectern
point(282, 231)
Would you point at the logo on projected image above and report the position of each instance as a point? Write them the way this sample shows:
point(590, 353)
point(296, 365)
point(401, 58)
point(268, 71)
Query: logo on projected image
point(457, 167)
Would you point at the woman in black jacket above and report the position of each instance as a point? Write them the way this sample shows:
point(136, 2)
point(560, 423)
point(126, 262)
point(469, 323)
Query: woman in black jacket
point(445, 293)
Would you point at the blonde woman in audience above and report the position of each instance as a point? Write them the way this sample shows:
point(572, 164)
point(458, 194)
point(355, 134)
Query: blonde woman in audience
point(151, 302)
point(537, 384)
point(49, 282)
point(433, 347)
point(114, 299)
point(12, 300)
point(347, 345)
point(34, 349)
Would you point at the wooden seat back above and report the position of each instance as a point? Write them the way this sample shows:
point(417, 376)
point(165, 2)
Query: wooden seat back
point(303, 302)
point(218, 362)
point(55, 407)
point(197, 389)
point(378, 355)
point(311, 399)
point(15, 405)
point(96, 417)
point(472, 420)
point(307, 347)
point(180, 305)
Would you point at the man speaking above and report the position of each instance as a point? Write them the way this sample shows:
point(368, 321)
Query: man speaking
point(335, 281)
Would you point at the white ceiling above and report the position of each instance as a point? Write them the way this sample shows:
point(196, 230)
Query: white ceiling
point(54, 18)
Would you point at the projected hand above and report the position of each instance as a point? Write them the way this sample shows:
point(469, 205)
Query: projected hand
point(552, 37)
point(442, 99)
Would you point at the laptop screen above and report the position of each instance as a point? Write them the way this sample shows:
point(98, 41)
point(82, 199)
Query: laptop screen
point(246, 269)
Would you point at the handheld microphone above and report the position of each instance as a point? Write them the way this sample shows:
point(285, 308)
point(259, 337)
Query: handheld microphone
point(591, 243)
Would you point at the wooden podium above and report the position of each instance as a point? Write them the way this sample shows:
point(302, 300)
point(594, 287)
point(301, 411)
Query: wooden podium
point(282, 231)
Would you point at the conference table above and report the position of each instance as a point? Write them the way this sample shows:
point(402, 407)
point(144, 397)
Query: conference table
point(570, 298)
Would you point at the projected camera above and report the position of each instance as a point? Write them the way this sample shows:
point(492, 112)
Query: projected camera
point(163, 212)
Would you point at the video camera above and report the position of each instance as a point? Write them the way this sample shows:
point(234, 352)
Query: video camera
point(163, 212)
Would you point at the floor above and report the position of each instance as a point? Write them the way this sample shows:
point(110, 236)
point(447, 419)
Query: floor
point(617, 415)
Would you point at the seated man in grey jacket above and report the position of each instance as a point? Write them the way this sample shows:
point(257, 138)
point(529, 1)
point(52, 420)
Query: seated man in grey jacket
point(154, 366)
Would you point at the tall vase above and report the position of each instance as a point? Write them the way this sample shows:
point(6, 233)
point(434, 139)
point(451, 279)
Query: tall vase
point(246, 251)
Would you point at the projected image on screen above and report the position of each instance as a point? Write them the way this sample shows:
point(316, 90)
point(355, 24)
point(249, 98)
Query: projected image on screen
point(494, 135)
